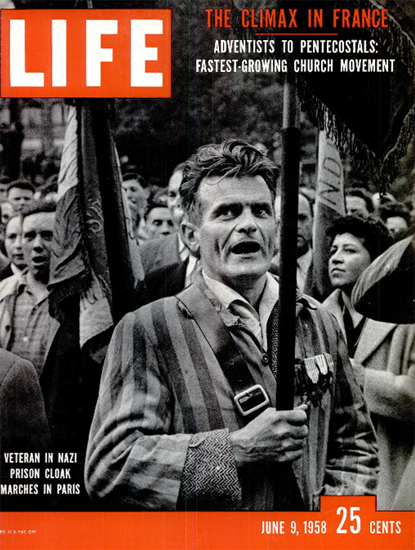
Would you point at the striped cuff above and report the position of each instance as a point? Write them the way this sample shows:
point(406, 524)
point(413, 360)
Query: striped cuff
point(210, 479)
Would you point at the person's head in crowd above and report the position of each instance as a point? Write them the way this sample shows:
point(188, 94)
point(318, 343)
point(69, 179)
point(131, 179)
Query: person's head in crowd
point(397, 219)
point(7, 211)
point(358, 202)
point(304, 225)
point(37, 232)
point(134, 187)
point(158, 219)
point(228, 193)
point(13, 242)
point(304, 222)
point(20, 194)
point(173, 195)
point(379, 200)
point(356, 242)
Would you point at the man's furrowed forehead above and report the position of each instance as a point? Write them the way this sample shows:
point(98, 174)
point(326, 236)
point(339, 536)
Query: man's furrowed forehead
point(39, 220)
point(243, 189)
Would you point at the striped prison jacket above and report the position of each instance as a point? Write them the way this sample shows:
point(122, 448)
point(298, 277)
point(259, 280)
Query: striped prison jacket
point(160, 435)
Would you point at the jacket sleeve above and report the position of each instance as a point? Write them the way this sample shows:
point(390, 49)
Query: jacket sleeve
point(134, 458)
point(392, 394)
point(23, 423)
point(352, 463)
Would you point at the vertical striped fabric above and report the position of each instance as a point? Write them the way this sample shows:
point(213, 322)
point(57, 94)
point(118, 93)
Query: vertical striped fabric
point(161, 383)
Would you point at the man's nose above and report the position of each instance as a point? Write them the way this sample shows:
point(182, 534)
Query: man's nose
point(247, 221)
point(38, 242)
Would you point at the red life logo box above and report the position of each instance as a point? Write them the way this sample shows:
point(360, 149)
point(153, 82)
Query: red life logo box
point(85, 53)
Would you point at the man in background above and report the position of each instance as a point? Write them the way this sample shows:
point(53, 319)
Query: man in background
point(158, 221)
point(168, 263)
point(13, 246)
point(358, 202)
point(304, 243)
point(20, 194)
point(26, 328)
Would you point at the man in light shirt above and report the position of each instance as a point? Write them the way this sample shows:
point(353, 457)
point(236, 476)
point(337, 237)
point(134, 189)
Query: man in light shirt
point(26, 328)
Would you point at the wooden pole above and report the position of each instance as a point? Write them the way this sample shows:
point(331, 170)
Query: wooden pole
point(287, 495)
point(288, 245)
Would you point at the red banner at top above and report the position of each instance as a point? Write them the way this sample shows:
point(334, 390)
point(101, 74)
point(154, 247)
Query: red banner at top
point(85, 53)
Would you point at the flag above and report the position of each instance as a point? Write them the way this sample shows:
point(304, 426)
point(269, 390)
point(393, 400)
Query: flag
point(94, 253)
point(330, 205)
point(386, 289)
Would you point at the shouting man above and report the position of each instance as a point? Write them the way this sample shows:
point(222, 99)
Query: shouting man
point(186, 416)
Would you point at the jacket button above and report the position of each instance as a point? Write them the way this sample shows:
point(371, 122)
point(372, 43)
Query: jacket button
point(265, 359)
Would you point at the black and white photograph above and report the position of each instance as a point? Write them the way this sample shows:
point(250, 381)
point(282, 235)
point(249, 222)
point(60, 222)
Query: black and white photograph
point(207, 293)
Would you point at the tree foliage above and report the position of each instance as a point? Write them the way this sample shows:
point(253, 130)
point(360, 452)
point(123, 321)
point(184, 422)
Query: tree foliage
point(157, 134)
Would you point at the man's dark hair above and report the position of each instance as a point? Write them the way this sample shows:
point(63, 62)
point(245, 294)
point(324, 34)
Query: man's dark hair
point(234, 158)
point(373, 233)
point(21, 184)
point(136, 177)
point(38, 207)
point(363, 194)
point(158, 199)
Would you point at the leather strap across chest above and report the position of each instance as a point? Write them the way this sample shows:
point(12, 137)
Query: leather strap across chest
point(219, 338)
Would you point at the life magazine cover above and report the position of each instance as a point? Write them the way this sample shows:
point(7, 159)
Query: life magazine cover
point(207, 274)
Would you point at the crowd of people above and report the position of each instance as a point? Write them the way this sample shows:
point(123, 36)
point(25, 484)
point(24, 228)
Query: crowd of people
point(185, 418)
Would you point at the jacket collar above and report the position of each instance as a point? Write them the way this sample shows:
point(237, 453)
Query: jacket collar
point(301, 299)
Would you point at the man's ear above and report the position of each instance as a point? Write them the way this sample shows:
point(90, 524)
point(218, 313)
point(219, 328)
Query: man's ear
point(189, 233)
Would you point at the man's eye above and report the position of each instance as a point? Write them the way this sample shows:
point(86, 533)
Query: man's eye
point(227, 212)
point(262, 211)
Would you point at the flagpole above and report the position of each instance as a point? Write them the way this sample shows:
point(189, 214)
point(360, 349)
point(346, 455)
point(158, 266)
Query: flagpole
point(288, 245)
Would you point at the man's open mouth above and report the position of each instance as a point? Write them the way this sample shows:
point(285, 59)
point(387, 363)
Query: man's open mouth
point(246, 247)
point(38, 260)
